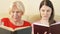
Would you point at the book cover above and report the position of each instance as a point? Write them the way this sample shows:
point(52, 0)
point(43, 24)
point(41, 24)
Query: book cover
point(21, 30)
point(53, 28)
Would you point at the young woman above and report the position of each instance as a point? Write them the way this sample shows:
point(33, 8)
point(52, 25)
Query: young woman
point(16, 12)
point(46, 10)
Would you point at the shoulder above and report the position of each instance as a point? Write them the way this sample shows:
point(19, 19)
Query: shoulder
point(37, 22)
point(27, 23)
point(57, 22)
point(4, 19)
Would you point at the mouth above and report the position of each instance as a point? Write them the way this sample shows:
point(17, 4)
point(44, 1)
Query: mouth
point(15, 18)
point(46, 16)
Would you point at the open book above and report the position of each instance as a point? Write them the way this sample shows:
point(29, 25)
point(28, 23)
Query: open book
point(21, 30)
point(40, 29)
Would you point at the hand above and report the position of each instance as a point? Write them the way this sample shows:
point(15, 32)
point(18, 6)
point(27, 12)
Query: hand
point(37, 33)
point(45, 32)
point(1, 23)
point(49, 33)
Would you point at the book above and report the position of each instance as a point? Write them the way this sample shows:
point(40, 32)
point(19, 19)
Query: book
point(40, 29)
point(21, 30)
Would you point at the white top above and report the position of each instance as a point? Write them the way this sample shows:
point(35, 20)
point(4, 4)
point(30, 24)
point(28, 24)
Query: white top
point(38, 23)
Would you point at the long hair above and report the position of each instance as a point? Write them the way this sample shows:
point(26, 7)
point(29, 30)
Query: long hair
point(48, 3)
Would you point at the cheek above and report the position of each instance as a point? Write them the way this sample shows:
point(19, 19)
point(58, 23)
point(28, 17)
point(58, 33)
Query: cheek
point(42, 13)
point(19, 14)
point(49, 14)
point(12, 15)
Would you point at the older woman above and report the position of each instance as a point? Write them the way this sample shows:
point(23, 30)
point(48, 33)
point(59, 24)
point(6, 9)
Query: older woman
point(16, 12)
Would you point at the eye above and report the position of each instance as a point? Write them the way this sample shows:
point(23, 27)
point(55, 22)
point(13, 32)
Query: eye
point(12, 11)
point(48, 10)
point(17, 11)
point(43, 10)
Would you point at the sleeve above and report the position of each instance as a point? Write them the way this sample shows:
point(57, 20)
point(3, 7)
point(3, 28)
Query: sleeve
point(27, 23)
point(4, 21)
point(1, 22)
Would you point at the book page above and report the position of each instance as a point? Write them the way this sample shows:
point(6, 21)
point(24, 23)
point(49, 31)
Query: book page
point(7, 28)
point(41, 24)
point(10, 29)
point(22, 28)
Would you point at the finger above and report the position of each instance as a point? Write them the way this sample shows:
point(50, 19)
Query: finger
point(49, 33)
point(37, 33)
point(45, 32)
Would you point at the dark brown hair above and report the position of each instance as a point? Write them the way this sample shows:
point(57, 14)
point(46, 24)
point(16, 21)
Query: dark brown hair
point(48, 3)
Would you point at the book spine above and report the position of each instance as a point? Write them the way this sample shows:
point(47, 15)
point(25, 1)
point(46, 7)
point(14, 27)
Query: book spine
point(14, 32)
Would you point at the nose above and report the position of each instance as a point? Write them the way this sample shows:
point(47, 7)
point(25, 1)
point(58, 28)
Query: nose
point(45, 12)
point(15, 14)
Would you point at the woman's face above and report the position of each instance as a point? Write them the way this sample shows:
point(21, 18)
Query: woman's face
point(45, 12)
point(16, 14)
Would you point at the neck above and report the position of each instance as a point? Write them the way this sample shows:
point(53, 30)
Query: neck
point(17, 23)
point(44, 21)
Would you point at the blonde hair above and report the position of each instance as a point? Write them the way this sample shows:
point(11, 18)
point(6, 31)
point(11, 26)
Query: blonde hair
point(19, 5)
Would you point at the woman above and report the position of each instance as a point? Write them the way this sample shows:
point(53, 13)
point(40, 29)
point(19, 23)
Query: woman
point(46, 10)
point(16, 12)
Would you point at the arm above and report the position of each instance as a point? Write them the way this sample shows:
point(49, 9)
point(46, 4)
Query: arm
point(32, 29)
point(1, 23)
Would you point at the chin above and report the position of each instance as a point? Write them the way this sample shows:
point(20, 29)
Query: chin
point(45, 19)
point(15, 20)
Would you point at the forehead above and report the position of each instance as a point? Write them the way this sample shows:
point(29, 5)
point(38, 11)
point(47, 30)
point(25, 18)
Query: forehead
point(45, 7)
point(15, 8)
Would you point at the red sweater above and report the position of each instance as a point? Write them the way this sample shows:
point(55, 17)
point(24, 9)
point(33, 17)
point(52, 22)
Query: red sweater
point(8, 23)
